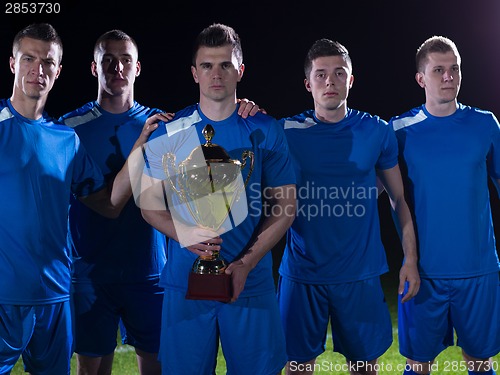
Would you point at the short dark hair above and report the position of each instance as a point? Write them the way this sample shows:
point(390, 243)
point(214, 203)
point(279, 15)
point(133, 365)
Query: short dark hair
point(435, 43)
point(39, 31)
point(115, 34)
point(218, 35)
point(325, 47)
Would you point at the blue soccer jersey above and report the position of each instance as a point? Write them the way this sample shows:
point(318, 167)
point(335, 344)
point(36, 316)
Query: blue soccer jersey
point(43, 163)
point(260, 134)
point(335, 237)
point(126, 249)
point(446, 162)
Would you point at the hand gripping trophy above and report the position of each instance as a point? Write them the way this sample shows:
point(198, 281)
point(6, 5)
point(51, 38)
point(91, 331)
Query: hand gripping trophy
point(207, 185)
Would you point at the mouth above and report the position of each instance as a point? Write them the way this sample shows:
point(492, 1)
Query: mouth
point(330, 94)
point(37, 83)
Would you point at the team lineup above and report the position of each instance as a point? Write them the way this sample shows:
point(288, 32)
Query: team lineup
point(97, 237)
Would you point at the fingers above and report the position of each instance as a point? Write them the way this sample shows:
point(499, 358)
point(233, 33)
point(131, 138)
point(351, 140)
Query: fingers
point(204, 249)
point(163, 116)
point(247, 107)
point(413, 287)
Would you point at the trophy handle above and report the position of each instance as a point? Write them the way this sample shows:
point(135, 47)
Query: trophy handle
point(168, 160)
point(247, 154)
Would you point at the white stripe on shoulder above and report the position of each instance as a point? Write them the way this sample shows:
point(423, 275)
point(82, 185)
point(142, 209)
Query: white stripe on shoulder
point(182, 123)
point(73, 122)
point(409, 121)
point(5, 114)
point(308, 122)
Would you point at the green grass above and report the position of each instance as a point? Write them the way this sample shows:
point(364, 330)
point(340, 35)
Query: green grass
point(447, 363)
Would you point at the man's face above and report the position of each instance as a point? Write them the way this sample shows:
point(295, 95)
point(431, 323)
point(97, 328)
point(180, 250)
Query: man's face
point(116, 66)
point(329, 82)
point(441, 77)
point(36, 66)
point(217, 72)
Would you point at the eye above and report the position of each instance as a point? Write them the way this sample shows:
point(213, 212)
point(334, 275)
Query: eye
point(227, 65)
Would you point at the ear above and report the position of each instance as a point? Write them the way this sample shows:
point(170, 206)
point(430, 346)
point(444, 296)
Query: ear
point(93, 68)
point(351, 81)
point(240, 72)
point(137, 68)
point(58, 71)
point(12, 64)
point(419, 77)
point(195, 74)
point(307, 84)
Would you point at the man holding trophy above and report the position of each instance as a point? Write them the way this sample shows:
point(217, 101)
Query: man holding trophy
point(222, 189)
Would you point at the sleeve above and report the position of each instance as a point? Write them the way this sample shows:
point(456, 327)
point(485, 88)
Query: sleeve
point(389, 147)
point(87, 176)
point(277, 162)
point(493, 158)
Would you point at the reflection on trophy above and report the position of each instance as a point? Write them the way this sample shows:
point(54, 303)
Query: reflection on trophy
point(207, 185)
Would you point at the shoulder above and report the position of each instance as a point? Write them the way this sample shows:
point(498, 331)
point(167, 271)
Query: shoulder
point(299, 121)
point(266, 123)
point(365, 117)
point(474, 111)
point(85, 113)
point(182, 120)
point(408, 118)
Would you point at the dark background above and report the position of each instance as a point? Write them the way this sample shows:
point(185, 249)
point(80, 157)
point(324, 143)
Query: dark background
point(381, 36)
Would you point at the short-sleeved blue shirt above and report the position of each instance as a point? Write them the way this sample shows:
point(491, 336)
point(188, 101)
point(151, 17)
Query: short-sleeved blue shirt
point(43, 164)
point(335, 237)
point(446, 162)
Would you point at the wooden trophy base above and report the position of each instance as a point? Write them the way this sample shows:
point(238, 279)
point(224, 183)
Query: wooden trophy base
point(209, 287)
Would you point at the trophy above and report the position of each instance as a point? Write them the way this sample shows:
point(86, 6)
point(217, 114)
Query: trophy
point(207, 185)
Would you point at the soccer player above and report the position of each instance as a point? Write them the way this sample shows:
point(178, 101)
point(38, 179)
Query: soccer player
point(43, 163)
point(448, 152)
point(333, 259)
point(117, 263)
point(249, 326)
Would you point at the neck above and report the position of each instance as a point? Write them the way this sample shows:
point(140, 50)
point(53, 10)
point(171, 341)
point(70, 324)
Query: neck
point(28, 107)
point(115, 104)
point(330, 115)
point(441, 109)
point(217, 111)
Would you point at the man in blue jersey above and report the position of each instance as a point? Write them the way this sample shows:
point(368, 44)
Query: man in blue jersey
point(334, 257)
point(43, 163)
point(117, 263)
point(249, 326)
point(448, 152)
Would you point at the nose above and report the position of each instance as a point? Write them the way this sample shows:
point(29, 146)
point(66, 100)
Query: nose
point(330, 80)
point(37, 69)
point(448, 76)
point(217, 72)
point(117, 66)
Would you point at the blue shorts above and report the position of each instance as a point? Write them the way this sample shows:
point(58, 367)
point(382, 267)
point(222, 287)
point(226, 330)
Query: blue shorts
point(99, 309)
point(249, 330)
point(470, 306)
point(358, 313)
point(41, 334)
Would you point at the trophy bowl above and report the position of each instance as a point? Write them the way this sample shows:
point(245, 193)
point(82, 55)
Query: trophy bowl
point(207, 184)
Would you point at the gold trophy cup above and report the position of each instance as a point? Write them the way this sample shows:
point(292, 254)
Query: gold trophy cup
point(207, 184)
